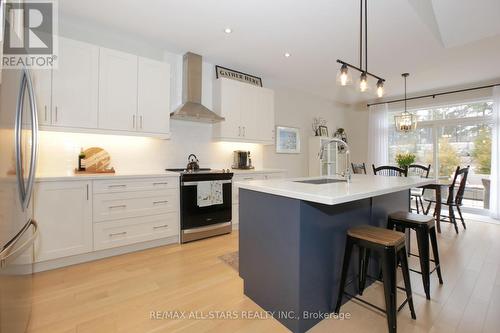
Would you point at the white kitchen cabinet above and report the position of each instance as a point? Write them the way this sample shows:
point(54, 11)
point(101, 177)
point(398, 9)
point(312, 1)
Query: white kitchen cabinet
point(153, 110)
point(42, 83)
point(74, 86)
point(117, 91)
point(248, 110)
point(63, 211)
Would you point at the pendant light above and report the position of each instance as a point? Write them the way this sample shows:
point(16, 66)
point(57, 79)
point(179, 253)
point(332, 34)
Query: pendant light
point(343, 77)
point(406, 121)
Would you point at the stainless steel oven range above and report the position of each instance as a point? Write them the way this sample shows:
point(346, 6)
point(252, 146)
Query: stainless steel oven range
point(206, 203)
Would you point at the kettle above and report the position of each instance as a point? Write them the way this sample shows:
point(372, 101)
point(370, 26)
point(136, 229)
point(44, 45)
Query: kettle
point(192, 163)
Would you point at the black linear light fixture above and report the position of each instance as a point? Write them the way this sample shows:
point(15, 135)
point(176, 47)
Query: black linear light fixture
point(343, 77)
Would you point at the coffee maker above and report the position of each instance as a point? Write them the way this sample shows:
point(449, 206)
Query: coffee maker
point(242, 160)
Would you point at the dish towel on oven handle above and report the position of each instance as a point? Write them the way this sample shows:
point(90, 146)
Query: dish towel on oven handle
point(209, 193)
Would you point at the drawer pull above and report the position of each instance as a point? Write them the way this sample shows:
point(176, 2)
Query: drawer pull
point(123, 233)
point(160, 226)
point(160, 202)
point(115, 186)
point(248, 178)
point(156, 184)
point(117, 206)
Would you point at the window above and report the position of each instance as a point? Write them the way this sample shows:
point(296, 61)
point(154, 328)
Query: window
point(447, 137)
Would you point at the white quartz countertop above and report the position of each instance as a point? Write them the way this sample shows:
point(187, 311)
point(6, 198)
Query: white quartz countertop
point(70, 175)
point(361, 187)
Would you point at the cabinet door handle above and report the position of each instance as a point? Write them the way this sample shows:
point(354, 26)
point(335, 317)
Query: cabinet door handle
point(115, 186)
point(160, 202)
point(45, 108)
point(140, 122)
point(57, 114)
point(160, 226)
point(133, 121)
point(123, 233)
point(239, 130)
point(164, 183)
point(248, 178)
point(87, 192)
point(117, 206)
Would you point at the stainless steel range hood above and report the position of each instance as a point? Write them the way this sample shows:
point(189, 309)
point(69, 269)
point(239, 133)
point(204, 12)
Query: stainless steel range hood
point(191, 108)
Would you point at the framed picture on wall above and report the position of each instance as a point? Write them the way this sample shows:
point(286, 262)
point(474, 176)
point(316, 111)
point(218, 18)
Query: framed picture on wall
point(287, 140)
point(323, 131)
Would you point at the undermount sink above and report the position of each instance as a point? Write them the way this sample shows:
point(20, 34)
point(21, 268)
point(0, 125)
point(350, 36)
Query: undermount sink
point(320, 181)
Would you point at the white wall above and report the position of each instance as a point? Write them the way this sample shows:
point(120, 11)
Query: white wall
point(59, 151)
point(297, 109)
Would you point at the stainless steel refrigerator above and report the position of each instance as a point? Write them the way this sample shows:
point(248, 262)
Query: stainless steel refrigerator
point(18, 229)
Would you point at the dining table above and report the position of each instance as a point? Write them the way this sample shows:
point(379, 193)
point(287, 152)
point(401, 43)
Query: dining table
point(437, 186)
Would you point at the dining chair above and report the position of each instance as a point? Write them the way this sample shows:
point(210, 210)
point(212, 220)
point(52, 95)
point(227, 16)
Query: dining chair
point(417, 193)
point(455, 197)
point(358, 168)
point(389, 170)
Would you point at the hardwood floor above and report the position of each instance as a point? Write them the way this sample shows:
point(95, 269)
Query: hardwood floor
point(118, 294)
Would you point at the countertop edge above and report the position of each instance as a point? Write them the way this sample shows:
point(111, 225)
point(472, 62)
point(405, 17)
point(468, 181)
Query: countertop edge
point(328, 200)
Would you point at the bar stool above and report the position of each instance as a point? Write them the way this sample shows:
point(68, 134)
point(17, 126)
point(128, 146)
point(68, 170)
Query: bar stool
point(425, 228)
point(389, 245)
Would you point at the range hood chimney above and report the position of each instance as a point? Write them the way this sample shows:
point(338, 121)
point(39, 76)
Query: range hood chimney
point(191, 108)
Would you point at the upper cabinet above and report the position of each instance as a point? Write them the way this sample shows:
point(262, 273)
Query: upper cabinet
point(153, 108)
point(99, 90)
point(75, 85)
point(248, 110)
point(117, 91)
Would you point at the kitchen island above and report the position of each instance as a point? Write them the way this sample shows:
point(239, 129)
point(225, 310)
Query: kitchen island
point(292, 237)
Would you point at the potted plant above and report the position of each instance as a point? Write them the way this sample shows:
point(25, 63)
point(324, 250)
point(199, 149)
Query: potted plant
point(404, 160)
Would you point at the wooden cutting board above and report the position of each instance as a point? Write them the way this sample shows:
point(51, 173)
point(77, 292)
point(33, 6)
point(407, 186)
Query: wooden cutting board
point(97, 160)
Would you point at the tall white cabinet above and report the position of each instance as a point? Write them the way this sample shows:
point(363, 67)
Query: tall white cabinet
point(248, 111)
point(153, 108)
point(117, 90)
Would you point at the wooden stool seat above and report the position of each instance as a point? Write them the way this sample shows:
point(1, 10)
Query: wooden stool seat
point(376, 235)
point(412, 218)
point(389, 245)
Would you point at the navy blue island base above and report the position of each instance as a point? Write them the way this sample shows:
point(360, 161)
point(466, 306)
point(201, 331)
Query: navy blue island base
point(291, 251)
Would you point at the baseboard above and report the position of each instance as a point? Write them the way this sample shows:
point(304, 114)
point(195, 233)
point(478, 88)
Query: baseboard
point(96, 255)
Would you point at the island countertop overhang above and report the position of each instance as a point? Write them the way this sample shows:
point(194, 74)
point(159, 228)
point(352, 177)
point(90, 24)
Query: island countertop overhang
point(361, 187)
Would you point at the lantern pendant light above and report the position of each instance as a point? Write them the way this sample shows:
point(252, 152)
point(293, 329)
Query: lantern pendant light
point(406, 121)
point(343, 76)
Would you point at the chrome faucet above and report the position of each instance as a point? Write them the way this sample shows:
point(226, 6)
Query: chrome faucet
point(347, 172)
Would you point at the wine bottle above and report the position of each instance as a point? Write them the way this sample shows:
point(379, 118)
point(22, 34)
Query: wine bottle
point(81, 160)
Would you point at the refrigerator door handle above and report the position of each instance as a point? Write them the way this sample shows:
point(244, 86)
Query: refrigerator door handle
point(12, 251)
point(25, 190)
point(34, 140)
point(17, 140)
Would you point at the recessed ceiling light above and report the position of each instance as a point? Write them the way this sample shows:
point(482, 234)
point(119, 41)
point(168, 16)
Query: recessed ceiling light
point(228, 30)
point(287, 55)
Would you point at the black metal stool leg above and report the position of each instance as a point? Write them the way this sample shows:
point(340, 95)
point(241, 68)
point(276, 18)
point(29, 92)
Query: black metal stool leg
point(435, 252)
point(423, 250)
point(345, 268)
point(389, 274)
point(406, 277)
point(364, 256)
point(461, 217)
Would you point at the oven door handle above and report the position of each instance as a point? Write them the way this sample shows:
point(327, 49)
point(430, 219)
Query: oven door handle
point(196, 183)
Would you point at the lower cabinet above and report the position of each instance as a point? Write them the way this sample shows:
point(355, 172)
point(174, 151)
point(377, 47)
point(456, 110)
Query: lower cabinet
point(63, 211)
point(134, 230)
point(77, 217)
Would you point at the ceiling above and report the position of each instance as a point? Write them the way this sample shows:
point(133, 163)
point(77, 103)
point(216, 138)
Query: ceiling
point(441, 43)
